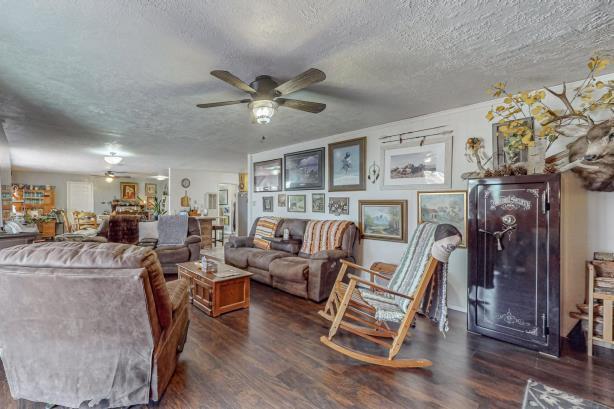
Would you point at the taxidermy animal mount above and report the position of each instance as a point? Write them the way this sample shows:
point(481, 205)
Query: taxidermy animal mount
point(587, 118)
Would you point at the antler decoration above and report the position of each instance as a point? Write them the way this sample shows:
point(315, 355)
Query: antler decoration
point(591, 153)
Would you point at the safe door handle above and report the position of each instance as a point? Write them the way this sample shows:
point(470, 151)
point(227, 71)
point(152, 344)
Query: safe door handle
point(498, 235)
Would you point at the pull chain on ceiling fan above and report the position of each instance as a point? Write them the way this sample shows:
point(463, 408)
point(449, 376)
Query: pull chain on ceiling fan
point(267, 95)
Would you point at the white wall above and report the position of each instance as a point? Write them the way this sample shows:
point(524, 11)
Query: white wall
point(103, 191)
point(201, 183)
point(465, 122)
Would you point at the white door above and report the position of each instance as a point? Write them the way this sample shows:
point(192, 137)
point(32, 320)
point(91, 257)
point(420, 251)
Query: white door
point(80, 196)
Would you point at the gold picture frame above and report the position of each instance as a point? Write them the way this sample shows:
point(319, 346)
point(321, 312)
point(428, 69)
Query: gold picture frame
point(151, 189)
point(430, 205)
point(389, 220)
point(129, 190)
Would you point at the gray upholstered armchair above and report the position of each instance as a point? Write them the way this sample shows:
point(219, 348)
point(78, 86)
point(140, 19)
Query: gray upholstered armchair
point(83, 323)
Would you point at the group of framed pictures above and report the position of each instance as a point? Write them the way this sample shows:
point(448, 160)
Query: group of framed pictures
point(298, 203)
point(304, 170)
point(420, 165)
point(387, 219)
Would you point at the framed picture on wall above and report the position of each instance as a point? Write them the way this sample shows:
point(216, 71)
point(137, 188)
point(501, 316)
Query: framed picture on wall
point(128, 190)
point(339, 205)
point(346, 165)
point(281, 200)
point(150, 202)
point(383, 219)
point(296, 203)
point(223, 197)
point(267, 204)
point(502, 155)
point(449, 207)
point(151, 189)
point(267, 176)
point(304, 170)
point(317, 203)
point(413, 165)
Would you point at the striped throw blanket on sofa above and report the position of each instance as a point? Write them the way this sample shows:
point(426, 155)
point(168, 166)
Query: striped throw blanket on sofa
point(324, 235)
point(265, 229)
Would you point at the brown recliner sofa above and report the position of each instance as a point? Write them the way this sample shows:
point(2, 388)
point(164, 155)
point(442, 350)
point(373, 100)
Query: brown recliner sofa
point(285, 267)
point(87, 323)
point(125, 229)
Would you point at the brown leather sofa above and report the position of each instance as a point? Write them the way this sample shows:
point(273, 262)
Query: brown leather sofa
point(83, 323)
point(284, 267)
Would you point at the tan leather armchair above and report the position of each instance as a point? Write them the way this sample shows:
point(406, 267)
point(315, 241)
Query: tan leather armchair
point(89, 323)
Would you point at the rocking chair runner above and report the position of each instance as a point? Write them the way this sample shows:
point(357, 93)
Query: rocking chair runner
point(363, 307)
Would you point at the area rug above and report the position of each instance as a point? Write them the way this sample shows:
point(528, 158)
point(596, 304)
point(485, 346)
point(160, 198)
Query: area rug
point(537, 395)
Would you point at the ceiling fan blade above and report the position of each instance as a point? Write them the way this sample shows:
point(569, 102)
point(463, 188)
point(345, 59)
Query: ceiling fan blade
point(233, 80)
point(307, 106)
point(220, 104)
point(311, 76)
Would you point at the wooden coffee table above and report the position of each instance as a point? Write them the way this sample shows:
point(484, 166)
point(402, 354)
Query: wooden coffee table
point(215, 295)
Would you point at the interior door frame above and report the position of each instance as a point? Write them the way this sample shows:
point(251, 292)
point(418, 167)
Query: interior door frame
point(68, 197)
point(552, 346)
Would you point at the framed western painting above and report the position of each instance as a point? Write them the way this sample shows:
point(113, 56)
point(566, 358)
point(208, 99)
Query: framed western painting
point(445, 207)
point(304, 170)
point(296, 203)
point(267, 176)
point(383, 219)
point(267, 204)
point(346, 165)
point(129, 190)
point(317, 202)
point(415, 166)
point(151, 189)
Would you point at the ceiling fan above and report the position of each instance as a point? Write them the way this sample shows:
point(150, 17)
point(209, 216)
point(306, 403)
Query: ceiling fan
point(267, 95)
point(109, 175)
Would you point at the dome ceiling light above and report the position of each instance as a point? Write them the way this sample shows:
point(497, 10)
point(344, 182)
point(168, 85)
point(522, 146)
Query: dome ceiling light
point(113, 159)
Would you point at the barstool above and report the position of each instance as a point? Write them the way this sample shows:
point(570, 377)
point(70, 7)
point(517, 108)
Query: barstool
point(215, 229)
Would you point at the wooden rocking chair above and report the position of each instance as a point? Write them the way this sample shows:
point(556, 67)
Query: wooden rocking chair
point(349, 310)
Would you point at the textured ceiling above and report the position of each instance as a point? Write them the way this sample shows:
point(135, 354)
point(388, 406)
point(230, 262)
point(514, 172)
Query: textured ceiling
point(76, 75)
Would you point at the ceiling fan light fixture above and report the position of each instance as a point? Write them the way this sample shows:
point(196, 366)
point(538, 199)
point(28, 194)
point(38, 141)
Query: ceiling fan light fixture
point(160, 177)
point(108, 179)
point(113, 159)
point(263, 110)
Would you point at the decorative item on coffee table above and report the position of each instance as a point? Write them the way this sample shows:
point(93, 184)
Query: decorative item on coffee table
point(216, 292)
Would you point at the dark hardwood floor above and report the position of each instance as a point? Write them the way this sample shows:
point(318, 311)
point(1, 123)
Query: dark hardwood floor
point(270, 356)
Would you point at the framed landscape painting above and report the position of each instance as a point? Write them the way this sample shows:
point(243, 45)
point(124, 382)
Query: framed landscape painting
point(317, 203)
point(304, 170)
point(267, 176)
point(383, 219)
point(346, 165)
point(296, 203)
point(445, 207)
point(415, 166)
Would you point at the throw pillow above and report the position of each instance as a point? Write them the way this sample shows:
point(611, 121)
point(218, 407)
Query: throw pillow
point(265, 229)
